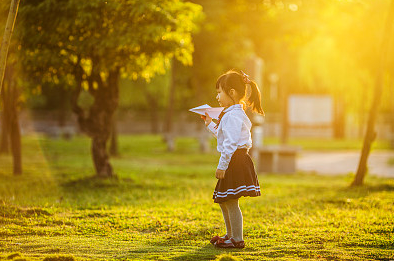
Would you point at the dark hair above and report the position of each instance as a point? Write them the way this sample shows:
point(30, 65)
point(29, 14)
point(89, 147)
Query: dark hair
point(238, 80)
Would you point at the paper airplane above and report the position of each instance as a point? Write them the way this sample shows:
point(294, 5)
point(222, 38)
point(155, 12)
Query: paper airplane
point(213, 112)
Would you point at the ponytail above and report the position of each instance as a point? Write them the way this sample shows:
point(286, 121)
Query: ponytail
point(255, 98)
point(238, 80)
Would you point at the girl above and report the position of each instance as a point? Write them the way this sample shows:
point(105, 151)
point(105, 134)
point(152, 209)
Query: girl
point(235, 173)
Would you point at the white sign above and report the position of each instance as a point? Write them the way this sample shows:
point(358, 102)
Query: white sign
point(310, 110)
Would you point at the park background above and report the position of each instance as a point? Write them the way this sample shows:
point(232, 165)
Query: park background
point(101, 159)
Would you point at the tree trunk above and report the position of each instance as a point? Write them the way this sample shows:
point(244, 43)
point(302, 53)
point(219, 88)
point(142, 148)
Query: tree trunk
point(363, 110)
point(16, 143)
point(62, 111)
point(100, 157)
point(339, 116)
point(391, 116)
point(153, 109)
point(100, 119)
point(171, 100)
point(113, 146)
point(101, 115)
point(370, 134)
point(15, 134)
point(5, 129)
point(9, 27)
point(11, 130)
point(97, 124)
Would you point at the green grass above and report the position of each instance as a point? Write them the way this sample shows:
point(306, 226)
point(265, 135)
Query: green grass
point(159, 208)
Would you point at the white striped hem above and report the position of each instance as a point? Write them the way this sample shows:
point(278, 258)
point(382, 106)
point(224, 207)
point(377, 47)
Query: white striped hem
point(236, 191)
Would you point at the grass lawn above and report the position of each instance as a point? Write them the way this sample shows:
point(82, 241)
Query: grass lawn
point(159, 208)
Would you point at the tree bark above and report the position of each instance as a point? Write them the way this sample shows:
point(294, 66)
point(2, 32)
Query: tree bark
point(100, 157)
point(171, 100)
point(11, 132)
point(391, 116)
point(16, 143)
point(62, 111)
point(9, 27)
point(98, 121)
point(4, 142)
point(153, 109)
point(113, 147)
point(339, 116)
point(370, 134)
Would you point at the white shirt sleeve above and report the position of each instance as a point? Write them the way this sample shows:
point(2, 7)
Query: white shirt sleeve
point(212, 129)
point(231, 127)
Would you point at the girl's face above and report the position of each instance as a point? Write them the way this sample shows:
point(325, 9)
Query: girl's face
point(223, 98)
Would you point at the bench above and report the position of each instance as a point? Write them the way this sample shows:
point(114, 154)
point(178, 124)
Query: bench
point(276, 159)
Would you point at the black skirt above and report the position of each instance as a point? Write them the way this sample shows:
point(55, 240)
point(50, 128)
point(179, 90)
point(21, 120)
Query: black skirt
point(240, 179)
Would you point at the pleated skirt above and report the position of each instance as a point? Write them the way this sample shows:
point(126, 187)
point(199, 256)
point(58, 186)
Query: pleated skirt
point(240, 179)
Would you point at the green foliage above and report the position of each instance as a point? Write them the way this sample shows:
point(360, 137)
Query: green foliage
point(140, 37)
point(313, 46)
point(160, 208)
point(221, 44)
point(133, 93)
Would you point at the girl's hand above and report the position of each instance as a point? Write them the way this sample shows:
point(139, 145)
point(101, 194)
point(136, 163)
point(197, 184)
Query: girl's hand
point(220, 173)
point(207, 119)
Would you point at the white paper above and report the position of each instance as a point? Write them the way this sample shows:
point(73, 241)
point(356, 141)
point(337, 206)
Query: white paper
point(213, 112)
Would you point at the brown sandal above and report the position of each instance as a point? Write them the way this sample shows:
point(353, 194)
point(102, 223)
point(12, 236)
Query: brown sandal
point(221, 243)
point(239, 244)
point(216, 238)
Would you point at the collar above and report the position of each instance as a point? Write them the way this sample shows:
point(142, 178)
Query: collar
point(235, 106)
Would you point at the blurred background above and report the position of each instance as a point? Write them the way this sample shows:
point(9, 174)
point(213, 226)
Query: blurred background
point(100, 157)
point(315, 62)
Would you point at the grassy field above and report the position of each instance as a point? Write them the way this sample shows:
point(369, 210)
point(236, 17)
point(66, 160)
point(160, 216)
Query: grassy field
point(159, 208)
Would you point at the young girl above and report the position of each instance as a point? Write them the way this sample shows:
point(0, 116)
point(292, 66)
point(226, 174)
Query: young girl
point(235, 173)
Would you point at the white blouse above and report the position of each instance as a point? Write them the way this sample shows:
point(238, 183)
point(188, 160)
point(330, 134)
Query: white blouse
point(232, 133)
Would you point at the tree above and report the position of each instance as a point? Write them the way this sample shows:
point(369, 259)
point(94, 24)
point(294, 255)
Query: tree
point(220, 44)
point(11, 129)
point(9, 91)
point(89, 44)
point(7, 37)
point(370, 134)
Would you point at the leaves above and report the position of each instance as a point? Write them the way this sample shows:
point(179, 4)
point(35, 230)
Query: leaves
point(137, 36)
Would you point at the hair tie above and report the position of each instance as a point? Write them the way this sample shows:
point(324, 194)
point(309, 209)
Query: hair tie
point(245, 78)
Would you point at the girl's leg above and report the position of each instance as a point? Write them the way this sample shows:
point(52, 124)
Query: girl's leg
point(236, 219)
point(226, 219)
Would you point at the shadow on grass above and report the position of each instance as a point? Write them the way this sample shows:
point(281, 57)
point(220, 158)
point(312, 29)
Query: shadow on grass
point(365, 190)
point(92, 192)
point(8, 211)
point(95, 182)
point(207, 252)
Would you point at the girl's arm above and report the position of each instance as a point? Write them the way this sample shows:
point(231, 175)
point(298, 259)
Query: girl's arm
point(212, 129)
point(210, 125)
point(231, 127)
